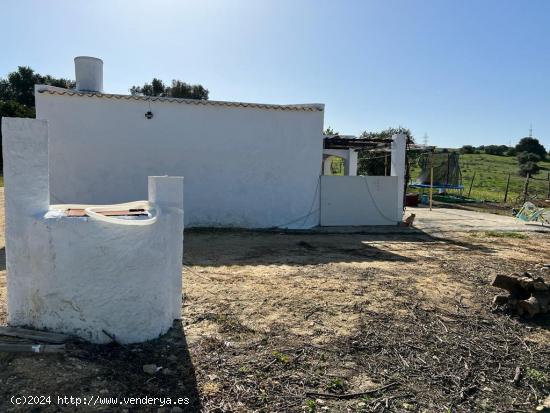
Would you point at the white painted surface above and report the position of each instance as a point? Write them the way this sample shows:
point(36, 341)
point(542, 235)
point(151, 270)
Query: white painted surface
point(167, 192)
point(327, 164)
point(80, 275)
point(243, 166)
point(359, 200)
point(398, 159)
point(88, 74)
point(349, 156)
point(351, 165)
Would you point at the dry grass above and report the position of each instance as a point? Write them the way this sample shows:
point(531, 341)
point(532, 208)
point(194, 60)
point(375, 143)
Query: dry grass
point(276, 322)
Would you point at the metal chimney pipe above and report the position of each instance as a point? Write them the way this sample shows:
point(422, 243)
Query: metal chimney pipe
point(88, 74)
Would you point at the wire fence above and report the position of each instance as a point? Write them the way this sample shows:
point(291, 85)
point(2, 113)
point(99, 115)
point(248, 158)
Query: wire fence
point(506, 188)
point(510, 188)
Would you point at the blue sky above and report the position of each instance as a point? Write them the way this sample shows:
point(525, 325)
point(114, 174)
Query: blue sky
point(463, 72)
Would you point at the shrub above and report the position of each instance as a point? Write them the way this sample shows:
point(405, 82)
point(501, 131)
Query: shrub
point(467, 149)
point(528, 167)
point(511, 152)
point(524, 157)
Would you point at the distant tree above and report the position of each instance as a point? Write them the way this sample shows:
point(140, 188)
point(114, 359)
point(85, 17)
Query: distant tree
point(499, 150)
point(373, 163)
point(524, 157)
point(531, 145)
point(178, 89)
point(15, 109)
point(388, 133)
point(527, 162)
point(511, 151)
point(18, 86)
point(330, 132)
point(467, 149)
point(181, 89)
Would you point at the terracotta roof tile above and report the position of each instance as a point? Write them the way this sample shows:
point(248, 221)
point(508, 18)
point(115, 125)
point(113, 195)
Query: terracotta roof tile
point(314, 107)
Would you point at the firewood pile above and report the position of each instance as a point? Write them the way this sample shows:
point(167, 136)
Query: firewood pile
point(528, 294)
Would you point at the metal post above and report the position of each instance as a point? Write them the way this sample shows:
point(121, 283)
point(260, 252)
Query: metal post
point(507, 186)
point(526, 187)
point(471, 183)
point(548, 194)
point(431, 181)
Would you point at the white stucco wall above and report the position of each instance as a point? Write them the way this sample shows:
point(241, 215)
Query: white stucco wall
point(83, 276)
point(398, 165)
point(243, 167)
point(360, 200)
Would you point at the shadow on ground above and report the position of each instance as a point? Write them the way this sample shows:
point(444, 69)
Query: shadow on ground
point(219, 247)
point(107, 371)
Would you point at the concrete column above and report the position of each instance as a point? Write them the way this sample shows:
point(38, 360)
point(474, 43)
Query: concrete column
point(167, 193)
point(26, 175)
point(398, 154)
point(27, 195)
point(327, 162)
point(351, 163)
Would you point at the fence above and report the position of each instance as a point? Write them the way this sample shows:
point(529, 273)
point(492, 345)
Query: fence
point(506, 188)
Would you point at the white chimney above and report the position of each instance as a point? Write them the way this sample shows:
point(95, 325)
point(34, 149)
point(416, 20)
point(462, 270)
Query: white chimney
point(89, 74)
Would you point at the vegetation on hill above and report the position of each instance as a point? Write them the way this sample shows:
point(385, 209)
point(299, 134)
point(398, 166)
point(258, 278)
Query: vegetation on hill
point(491, 174)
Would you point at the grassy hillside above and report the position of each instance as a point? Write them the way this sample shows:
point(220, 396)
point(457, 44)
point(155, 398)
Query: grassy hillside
point(491, 175)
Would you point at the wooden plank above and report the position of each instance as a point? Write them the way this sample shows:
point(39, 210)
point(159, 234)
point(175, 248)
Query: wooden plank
point(31, 348)
point(35, 335)
point(75, 212)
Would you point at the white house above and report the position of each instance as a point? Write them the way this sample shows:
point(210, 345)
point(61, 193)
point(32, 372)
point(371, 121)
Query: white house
point(244, 164)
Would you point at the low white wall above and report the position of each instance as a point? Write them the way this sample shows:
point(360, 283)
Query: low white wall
point(243, 166)
point(84, 276)
point(360, 200)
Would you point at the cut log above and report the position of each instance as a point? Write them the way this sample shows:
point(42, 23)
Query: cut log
point(530, 307)
point(500, 299)
point(529, 296)
point(514, 285)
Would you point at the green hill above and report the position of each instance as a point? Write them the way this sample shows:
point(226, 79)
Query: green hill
point(491, 173)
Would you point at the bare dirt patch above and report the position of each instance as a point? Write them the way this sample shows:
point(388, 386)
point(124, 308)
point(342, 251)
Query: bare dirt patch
point(277, 322)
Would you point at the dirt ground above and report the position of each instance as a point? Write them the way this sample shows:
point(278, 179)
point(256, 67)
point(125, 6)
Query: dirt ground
point(278, 322)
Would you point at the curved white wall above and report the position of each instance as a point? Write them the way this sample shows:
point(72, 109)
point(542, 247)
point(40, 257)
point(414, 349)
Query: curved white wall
point(243, 167)
point(82, 276)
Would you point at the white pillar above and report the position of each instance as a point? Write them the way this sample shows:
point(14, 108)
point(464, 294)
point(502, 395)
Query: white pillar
point(351, 163)
point(27, 198)
point(166, 192)
point(398, 155)
point(26, 178)
point(327, 162)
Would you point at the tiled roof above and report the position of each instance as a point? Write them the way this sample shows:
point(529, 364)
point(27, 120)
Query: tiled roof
point(314, 107)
